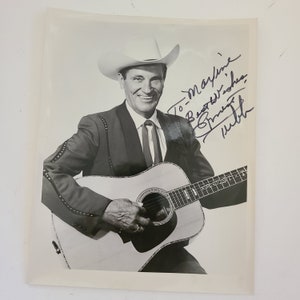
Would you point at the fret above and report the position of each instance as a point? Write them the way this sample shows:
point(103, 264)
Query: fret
point(202, 188)
point(186, 194)
point(179, 200)
point(219, 183)
point(230, 178)
point(191, 192)
point(212, 184)
point(226, 182)
point(209, 189)
point(207, 186)
point(180, 197)
point(214, 187)
point(194, 192)
point(187, 198)
point(205, 192)
point(199, 184)
point(174, 199)
point(243, 173)
point(236, 176)
point(200, 193)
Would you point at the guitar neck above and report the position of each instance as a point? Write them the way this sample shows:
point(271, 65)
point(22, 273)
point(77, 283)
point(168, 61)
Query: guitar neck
point(190, 193)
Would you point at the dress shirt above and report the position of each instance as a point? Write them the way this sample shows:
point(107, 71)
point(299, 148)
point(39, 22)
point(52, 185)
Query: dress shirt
point(139, 121)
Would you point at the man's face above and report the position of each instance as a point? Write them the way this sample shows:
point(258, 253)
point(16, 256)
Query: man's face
point(143, 86)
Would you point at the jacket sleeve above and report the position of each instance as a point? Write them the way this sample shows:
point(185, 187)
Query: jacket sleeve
point(78, 206)
point(200, 168)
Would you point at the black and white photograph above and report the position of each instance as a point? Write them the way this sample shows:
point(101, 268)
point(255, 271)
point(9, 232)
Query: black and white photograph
point(146, 149)
point(150, 149)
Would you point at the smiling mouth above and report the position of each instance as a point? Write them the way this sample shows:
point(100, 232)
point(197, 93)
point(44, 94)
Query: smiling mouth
point(147, 97)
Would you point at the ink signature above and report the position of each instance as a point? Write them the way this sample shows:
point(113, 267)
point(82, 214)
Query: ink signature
point(229, 116)
point(224, 107)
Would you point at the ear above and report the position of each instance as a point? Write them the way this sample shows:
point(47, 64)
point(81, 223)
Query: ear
point(121, 80)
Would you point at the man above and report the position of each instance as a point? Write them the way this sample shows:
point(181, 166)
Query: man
point(120, 143)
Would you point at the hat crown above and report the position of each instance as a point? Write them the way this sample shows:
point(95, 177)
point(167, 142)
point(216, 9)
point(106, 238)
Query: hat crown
point(145, 49)
point(138, 52)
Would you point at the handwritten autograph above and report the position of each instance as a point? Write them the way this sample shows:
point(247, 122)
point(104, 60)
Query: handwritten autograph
point(232, 111)
point(227, 99)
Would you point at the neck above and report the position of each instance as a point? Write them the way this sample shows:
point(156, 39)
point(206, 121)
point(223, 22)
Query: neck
point(146, 115)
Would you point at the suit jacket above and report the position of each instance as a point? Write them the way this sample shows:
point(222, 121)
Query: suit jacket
point(107, 144)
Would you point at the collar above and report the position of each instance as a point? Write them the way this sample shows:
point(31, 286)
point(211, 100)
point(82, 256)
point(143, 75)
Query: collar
point(139, 120)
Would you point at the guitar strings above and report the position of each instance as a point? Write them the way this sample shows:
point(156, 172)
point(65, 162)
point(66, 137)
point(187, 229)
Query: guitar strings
point(181, 199)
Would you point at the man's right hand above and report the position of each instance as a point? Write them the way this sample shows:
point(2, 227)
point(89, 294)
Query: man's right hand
point(126, 216)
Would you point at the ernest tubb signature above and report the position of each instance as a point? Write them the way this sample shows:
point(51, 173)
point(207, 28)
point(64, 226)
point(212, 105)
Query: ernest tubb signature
point(222, 109)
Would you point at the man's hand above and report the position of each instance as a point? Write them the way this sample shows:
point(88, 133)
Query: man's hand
point(126, 216)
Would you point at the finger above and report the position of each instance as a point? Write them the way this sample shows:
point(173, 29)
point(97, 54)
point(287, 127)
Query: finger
point(140, 228)
point(142, 221)
point(133, 227)
point(137, 204)
point(142, 210)
point(162, 214)
point(137, 228)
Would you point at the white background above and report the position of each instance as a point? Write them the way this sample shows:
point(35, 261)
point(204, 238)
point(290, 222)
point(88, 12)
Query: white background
point(277, 258)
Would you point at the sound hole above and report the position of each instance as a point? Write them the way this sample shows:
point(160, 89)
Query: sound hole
point(164, 221)
point(157, 207)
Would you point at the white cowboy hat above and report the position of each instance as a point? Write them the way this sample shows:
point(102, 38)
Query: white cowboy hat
point(138, 52)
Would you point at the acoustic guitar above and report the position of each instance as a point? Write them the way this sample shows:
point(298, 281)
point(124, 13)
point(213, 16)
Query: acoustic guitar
point(162, 187)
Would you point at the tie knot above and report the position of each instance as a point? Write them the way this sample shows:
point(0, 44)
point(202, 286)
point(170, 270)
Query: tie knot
point(148, 123)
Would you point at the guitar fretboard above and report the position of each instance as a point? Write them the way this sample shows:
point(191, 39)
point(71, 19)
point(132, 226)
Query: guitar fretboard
point(190, 193)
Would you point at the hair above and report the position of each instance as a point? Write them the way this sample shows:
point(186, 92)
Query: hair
point(124, 71)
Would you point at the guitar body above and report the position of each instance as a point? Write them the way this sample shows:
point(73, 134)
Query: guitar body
point(113, 251)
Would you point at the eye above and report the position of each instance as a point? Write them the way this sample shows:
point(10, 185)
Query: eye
point(138, 78)
point(156, 80)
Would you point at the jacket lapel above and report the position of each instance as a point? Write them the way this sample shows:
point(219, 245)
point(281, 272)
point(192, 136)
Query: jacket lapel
point(173, 136)
point(133, 148)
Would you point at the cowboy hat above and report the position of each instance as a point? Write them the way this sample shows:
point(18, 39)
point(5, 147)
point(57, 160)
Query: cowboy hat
point(137, 52)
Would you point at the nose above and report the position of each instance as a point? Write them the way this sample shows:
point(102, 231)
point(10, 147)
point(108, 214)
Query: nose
point(147, 88)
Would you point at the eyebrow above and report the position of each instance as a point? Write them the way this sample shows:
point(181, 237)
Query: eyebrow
point(142, 77)
point(157, 77)
point(137, 76)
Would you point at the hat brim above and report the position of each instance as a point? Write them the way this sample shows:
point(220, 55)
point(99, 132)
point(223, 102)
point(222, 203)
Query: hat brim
point(112, 63)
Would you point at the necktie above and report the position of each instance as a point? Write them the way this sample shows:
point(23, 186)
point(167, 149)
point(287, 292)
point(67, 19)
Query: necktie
point(146, 130)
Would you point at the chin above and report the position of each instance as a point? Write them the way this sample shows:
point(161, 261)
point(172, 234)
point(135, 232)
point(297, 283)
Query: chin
point(147, 112)
point(149, 108)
